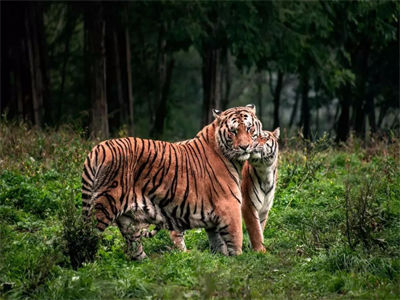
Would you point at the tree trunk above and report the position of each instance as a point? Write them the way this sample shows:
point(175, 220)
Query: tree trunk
point(226, 79)
point(294, 110)
point(19, 93)
point(35, 57)
point(305, 110)
point(32, 67)
point(131, 127)
point(277, 98)
point(42, 54)
point(382, 114)
point(211, 75)
point(161, 112)
point(69, 28)
point(370, 109)
point(260, 98)
point(359, 117)
point(96, 60)
point(343, 125)
point(23, 61)
point(360, 58)
point(118, 77)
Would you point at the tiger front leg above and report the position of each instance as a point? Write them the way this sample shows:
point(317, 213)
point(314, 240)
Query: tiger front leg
point(254, 228)
point(132, 235)
point(230, 230)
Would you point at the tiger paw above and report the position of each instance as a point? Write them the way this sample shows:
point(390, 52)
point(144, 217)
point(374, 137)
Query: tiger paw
point(260, 249)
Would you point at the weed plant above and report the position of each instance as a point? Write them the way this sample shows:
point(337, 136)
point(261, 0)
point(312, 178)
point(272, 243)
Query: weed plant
point(333, 231)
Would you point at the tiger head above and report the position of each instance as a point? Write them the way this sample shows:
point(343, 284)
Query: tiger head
point(237, 130)
point(266, 148)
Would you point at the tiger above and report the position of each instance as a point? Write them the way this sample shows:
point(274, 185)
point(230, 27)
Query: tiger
point(194, 184)
point(260, 174)
point(259, 177)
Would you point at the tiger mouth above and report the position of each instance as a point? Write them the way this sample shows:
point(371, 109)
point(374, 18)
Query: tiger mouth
point(261, 154)
point(244, 156)
point(256, 155)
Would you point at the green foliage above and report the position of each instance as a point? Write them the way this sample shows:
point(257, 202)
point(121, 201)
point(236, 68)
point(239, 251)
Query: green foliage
point(79, 235)
point(309, 254)
point(23, 193)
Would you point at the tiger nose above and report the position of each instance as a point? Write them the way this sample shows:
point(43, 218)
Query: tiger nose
point(244, 147)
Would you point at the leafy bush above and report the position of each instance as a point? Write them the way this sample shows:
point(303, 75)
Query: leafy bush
point(80, 236)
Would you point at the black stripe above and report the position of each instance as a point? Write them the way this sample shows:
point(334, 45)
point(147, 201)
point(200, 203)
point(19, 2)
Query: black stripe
point(238, 200)
point(142, 166)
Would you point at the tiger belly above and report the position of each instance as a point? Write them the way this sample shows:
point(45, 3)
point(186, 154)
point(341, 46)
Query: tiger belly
point(170, 217)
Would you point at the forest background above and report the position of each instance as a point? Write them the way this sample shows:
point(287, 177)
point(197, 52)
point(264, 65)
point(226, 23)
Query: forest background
point(156, 69)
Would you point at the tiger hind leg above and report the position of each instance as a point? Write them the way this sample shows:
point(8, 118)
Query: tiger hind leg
point(178, 239)
point(217, 244)
point(132, 236)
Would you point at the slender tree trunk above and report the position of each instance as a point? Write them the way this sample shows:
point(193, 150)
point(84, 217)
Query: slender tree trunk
point(19, 89)
point(96, 58)
point(42, 54)
point(35, 47)
point(359, 117)
point(305, 110)
point(360, 105)
point(294, 110)
point(260, 98)
point(371, 111)
point(211, 75)
point(343, 125)
point(118, 77)
point(226, 79)
point(131, 128)
point(22, 59)
point(35, 86)
point(277, 98)
point(162, 65)
point(382, 114)
point(162, 109)
point(69, 28)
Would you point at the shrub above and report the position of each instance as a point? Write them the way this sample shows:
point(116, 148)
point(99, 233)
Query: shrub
point(80, 235)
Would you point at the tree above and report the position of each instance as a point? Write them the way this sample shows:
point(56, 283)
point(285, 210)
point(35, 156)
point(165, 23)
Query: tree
point(95, 28)
point(25, 59)
point(119, 74)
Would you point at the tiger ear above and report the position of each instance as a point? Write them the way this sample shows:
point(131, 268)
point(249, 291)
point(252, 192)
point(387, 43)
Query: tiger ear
point(216, 113)
point(276, 132)
point(252, 107)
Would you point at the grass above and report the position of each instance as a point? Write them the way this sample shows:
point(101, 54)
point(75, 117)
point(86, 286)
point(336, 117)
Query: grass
point(333, 231)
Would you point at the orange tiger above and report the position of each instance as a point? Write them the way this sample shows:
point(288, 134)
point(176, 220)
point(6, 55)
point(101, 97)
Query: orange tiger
point(260, 174)
point(194, 184)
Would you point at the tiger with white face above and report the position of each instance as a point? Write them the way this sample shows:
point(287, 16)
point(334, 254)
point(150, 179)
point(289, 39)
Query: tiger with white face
point(260, 175)
point(177, 186)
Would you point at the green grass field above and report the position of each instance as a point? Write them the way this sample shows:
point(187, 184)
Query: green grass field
point(333, 232)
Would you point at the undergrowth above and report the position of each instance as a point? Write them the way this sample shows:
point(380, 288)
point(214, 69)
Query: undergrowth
point(333, 231)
